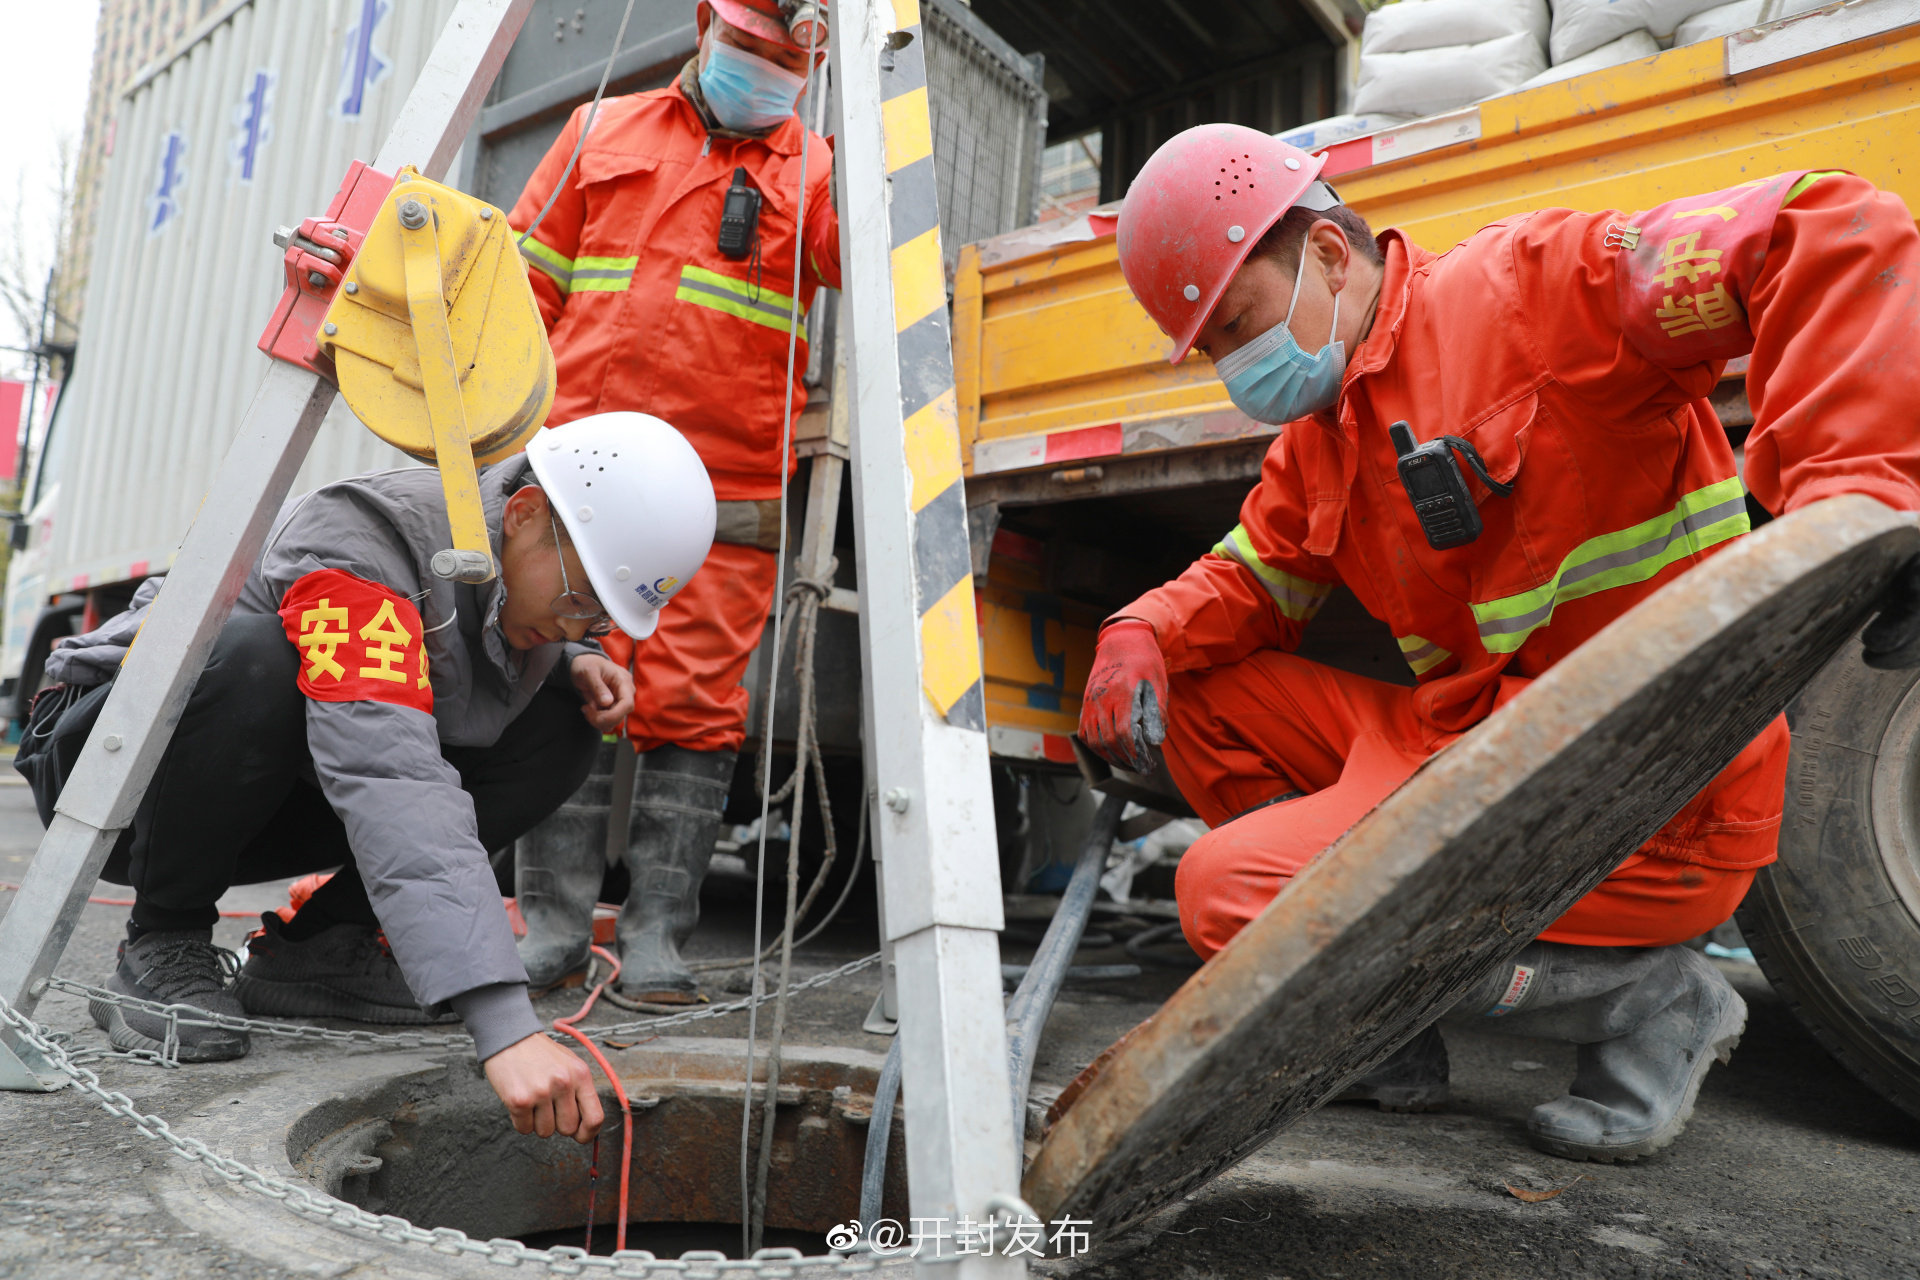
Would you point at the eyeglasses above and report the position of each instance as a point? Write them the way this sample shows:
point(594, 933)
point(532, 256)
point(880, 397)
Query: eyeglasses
point(575, 606)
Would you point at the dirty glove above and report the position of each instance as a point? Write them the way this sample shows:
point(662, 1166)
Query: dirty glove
point(1891, 641)
point(1120, 714)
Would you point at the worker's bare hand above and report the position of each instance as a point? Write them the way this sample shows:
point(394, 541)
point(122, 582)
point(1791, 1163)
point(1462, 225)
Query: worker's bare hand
point(547, 1090)
point(606, 691)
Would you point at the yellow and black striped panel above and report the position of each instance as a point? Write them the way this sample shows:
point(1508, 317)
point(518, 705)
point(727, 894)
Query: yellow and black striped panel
point(949, 632)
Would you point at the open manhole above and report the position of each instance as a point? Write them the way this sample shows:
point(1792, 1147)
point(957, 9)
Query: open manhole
point(435, 1147)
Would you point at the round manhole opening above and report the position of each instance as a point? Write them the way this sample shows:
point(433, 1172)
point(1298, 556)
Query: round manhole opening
point(435, 1147)
point(676, 1239)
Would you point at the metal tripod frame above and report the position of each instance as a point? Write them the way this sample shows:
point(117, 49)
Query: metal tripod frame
point(220, 549)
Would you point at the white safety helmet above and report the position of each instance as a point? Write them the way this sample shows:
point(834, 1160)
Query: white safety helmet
point(636, 501)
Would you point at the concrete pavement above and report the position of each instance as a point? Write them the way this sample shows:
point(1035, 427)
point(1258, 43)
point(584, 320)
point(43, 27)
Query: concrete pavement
point(1790, 1168)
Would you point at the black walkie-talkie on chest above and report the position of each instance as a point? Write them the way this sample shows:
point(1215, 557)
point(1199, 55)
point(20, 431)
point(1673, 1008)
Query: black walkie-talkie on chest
point(739, 217)
point(1431, 476)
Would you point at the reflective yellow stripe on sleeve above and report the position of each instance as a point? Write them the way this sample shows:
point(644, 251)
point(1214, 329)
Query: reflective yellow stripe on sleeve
point(1704, 518)
point(603, 275)
point(1807, 180)
point(1297, 598)
point(1422, 655)
point(560, 268)
point(738, 298)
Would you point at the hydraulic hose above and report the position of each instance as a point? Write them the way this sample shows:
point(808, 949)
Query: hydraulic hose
point(1033, 999)
point(873, 1175)
point(1026, 1013)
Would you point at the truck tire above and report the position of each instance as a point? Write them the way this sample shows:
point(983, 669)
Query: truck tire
point(1835, 923)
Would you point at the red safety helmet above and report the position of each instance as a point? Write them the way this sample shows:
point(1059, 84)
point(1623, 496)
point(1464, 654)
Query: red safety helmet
point(793, 23)
point(1197, 209)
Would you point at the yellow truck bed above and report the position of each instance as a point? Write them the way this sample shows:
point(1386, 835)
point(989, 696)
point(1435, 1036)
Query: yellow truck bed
point(1065, 392)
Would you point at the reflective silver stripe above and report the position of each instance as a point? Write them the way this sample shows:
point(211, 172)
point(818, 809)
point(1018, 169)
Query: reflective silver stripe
point(1702, 519)
point(763, 312)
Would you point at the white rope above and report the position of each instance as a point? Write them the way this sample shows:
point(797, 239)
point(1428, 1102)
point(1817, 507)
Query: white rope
point(750, 1225)
point(586, 126)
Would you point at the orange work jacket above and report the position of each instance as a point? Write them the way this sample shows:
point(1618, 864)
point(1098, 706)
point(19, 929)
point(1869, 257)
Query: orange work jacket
point(1575, 351)
point(643, 310)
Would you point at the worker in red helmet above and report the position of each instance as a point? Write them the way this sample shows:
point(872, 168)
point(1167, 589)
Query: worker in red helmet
point(653, 303)
point(1564, 359)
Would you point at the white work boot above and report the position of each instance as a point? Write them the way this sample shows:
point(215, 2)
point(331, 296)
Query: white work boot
point(1649, 1022)
point(557, 871)
point(679, 797)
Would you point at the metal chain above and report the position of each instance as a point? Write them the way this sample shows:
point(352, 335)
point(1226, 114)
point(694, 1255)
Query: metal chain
point(186, 1015)
point(560, 1260)
point(735, 1006)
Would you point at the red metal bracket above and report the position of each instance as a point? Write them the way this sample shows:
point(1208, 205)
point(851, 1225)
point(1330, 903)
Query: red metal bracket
point(316, 260)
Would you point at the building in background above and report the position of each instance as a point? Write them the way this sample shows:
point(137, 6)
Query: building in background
point(1129, 74)
point(1070, 178)
point(131, 35)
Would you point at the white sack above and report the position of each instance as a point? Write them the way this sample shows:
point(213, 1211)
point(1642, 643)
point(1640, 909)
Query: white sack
point(1630, 47)
point(1436, 24)
point(1581, 26)
point(1324, 133)
point(1724, 20)
point(1425, 82)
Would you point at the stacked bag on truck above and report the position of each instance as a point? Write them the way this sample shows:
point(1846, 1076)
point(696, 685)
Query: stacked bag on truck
point(1581, 27)
point(1591, 34)
point(1426, 57)
point(1423, 57)
point(1725, 19)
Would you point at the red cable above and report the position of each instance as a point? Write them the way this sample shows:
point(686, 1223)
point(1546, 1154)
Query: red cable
point(127, 902)
point(593, 1189)
point(566, 1025)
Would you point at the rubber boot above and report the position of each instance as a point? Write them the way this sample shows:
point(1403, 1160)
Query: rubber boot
point(678, 799)
point(1649, 1022)
point(558, 867)
point(1413, 1079)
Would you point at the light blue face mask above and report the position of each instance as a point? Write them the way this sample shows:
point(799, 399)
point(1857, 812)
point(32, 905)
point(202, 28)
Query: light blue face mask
point(744, 92)
point(1272, 380)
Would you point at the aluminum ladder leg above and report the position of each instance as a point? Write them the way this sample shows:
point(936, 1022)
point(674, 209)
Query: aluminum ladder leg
point(926, 740)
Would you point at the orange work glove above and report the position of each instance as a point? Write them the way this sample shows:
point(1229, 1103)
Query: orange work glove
point(1120, 715)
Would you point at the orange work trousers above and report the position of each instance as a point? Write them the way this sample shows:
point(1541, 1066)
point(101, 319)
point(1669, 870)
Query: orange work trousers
point(1239, 735)
point(686, 675)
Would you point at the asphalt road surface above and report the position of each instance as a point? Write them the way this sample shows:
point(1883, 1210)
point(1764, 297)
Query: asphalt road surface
point(1790, 1167)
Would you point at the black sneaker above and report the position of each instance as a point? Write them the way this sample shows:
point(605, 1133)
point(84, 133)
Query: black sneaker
point(345, 971)
point(173, 968)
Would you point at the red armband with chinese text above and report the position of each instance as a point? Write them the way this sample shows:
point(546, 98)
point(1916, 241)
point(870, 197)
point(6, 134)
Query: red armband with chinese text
point(1690, 267)
point(359, 641)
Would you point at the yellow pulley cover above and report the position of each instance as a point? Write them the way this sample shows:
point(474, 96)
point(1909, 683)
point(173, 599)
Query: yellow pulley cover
point(500, 351)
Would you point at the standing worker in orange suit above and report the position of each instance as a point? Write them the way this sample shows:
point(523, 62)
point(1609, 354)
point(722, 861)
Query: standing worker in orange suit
point(1552, 372)
point(663, 268)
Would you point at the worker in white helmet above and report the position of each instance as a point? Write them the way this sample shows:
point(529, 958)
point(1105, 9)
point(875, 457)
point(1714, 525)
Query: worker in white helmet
point(360, 713)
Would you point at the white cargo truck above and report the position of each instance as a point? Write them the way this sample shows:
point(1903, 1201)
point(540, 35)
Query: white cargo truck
point(248, 124)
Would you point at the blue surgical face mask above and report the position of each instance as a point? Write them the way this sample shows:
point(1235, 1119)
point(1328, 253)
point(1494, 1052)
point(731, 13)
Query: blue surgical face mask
point(746, 93)
point(1272, 380)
